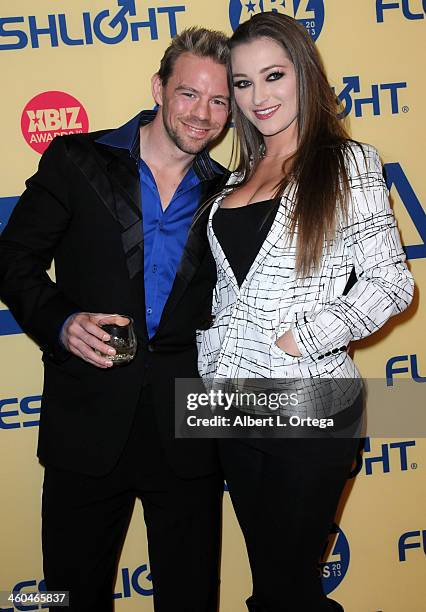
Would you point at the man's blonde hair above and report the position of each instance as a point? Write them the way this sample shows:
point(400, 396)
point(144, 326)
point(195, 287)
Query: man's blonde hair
point(200, 42)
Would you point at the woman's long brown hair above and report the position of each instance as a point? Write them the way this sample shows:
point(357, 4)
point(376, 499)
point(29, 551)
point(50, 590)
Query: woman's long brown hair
point(317, 169)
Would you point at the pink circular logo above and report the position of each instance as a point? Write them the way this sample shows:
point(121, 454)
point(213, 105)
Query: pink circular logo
point(50, 114)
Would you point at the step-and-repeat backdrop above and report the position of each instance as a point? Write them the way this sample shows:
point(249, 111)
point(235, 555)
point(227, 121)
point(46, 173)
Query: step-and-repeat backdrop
point(71, 66)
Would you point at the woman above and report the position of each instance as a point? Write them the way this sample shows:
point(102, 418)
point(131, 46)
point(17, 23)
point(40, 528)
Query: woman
point(303, 217)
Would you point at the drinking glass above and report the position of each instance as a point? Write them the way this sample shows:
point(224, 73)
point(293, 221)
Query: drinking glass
point(122, 338)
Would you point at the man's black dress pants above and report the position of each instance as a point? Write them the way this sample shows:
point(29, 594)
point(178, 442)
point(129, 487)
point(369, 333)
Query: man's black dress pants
point(85, 520)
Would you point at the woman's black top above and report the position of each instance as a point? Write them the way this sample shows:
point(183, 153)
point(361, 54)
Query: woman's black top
point(241, 232)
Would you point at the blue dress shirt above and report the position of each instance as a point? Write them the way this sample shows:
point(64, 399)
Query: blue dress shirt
point(165, 231)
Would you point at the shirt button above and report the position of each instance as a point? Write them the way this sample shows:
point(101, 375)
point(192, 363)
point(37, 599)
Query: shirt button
point(154, 268)
point(149, 311)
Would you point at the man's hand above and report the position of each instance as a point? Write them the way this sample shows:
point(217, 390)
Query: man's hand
point(287, 344)
point(81, 335)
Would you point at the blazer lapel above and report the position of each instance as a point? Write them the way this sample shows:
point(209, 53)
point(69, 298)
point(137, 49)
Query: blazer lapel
point(275, 234)
point(220, 257)
point(125, 183)
point(113, 174)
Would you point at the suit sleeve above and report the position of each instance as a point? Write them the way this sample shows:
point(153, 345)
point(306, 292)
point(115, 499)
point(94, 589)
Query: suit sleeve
point(27, 248)
point(384, 287)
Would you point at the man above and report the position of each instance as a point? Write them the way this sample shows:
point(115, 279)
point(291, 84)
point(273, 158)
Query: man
point(114, 211)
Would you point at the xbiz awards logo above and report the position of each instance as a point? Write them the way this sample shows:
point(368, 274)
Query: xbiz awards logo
point(50, 114)
point(310, 13)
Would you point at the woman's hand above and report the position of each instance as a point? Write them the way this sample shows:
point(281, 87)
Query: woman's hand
point(287, 344)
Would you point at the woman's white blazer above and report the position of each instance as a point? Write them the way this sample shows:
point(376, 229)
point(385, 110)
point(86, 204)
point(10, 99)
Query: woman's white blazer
point(272, 299)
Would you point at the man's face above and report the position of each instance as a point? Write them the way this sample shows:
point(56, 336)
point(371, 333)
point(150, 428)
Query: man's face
point(194, 102)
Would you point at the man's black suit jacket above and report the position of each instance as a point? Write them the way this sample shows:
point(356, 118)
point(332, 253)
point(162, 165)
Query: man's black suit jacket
point(75, 210)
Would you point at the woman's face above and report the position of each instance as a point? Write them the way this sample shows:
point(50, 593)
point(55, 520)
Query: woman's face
point(265, 87)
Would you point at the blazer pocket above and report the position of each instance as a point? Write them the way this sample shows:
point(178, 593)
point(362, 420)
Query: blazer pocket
point(276, 351)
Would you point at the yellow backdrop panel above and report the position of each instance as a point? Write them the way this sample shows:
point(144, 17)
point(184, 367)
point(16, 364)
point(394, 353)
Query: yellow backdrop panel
point(373, 51)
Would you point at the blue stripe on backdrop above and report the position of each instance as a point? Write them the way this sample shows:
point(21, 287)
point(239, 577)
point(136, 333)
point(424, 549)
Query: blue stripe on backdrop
point(8, 325)
point(6, 207)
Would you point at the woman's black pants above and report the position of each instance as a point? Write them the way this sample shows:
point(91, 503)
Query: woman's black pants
point(285, 495)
